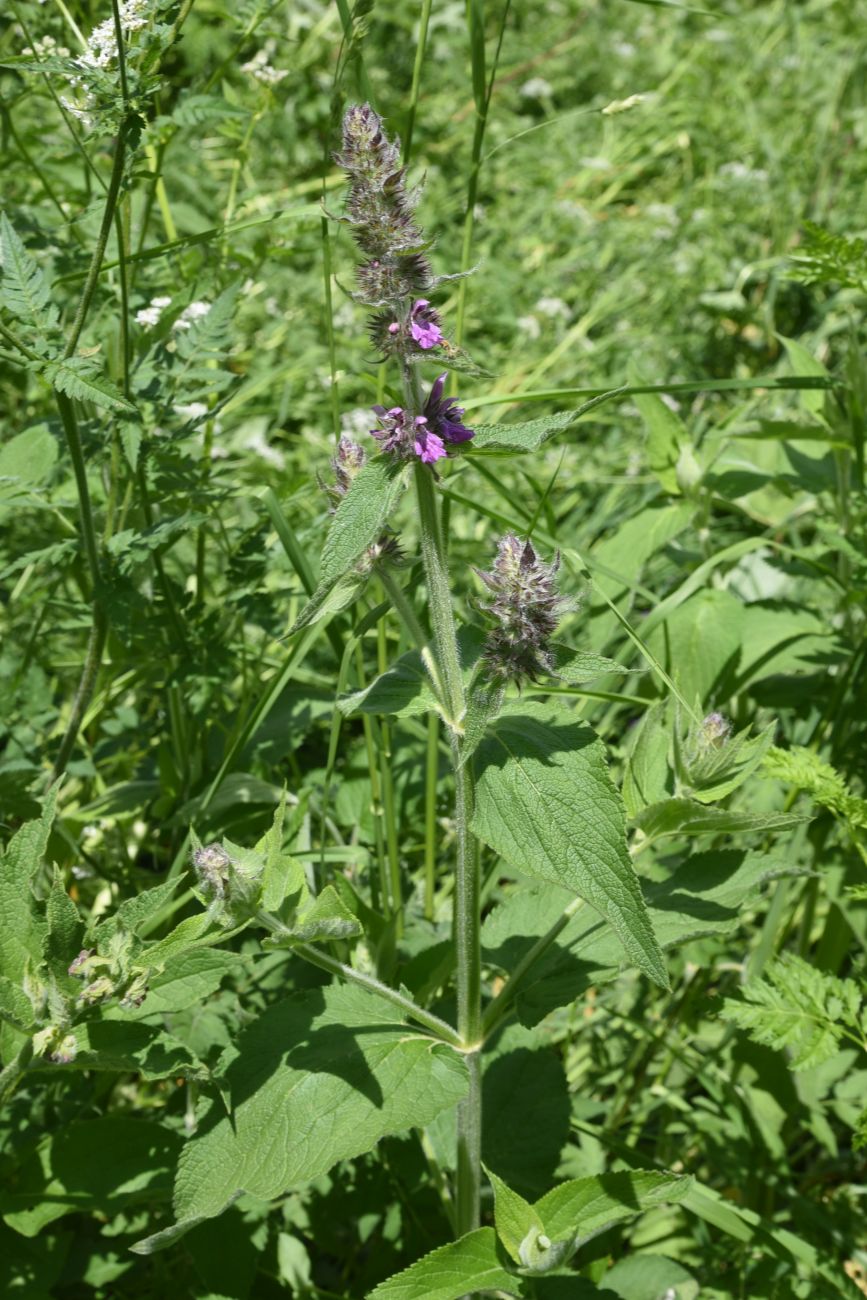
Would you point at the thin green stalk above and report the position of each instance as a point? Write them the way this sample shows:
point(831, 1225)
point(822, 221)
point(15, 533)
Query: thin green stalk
point(111, 198)
point(439, 1028)
point(483, 101)
point(467, 919)
point(439, 595)
point(420, 48)
point(432, 766)
point(403, 607)
point(388, 800)
point(375, 791)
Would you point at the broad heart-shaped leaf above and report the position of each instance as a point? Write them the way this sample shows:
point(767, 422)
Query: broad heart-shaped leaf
point(545, 803)
point(357, 523)
point(97, 1164)
point(706, 895)
point(465, 1267)
point(686, 817)
point(318, 1078)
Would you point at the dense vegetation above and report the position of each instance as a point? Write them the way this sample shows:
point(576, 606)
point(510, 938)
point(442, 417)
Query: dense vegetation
point(299, 747)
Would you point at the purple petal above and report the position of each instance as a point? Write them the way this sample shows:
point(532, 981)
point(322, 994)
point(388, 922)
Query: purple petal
point(426, 335)
point(428, 447)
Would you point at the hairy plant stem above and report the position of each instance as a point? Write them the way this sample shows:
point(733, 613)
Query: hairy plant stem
point(467, 919)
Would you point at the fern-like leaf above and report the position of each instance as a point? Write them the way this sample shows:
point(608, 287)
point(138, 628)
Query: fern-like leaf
point(830, 259)
point(25, 289)
point(802, 768)
point(78, 377)
point(796, 1007)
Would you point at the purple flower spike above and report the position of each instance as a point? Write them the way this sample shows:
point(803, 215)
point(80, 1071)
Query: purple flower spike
point(424, 325)
point(444, 415)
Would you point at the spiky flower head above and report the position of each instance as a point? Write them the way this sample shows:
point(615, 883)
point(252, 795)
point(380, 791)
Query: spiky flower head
point(525, 609)
point(213, 867)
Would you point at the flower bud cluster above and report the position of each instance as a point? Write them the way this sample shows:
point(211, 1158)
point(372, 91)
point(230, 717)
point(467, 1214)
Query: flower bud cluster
point(232, 889)
point(110, 976)
point(525, 610)
point(55, 1044)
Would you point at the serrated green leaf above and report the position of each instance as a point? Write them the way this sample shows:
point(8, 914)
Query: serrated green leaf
point(465, 1267)
point(78, 377)
point(315, 1079)
point(327, 918)
point(578, 1210)
point(133, 912)
point(23, 929)
point(647, 778)
point(799, 1007)
point(361, 516)
point(545, 803)
point(118, 1046)
point(65, 935)
point(517, 1223)
point(15, 1006)
point(186, 980)
point(577, 666)
point(24, 288)
point(527, 436)
point(686, 817)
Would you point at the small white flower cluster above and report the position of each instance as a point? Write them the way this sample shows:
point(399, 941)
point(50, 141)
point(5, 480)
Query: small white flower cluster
point(261, 70)
point(537, 88)
point(102, 46)
point(194, 312)
point(149, 316)
point(45, 48)
point(553, 307)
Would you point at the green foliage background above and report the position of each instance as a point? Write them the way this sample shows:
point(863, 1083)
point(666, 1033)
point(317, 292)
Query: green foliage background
point(666, 241)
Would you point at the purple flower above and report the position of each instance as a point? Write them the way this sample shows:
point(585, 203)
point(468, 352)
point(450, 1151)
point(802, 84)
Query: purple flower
point(444, 415)
point(422, 435)
point(428, 446)
point(404, 436)
point(424, 324)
